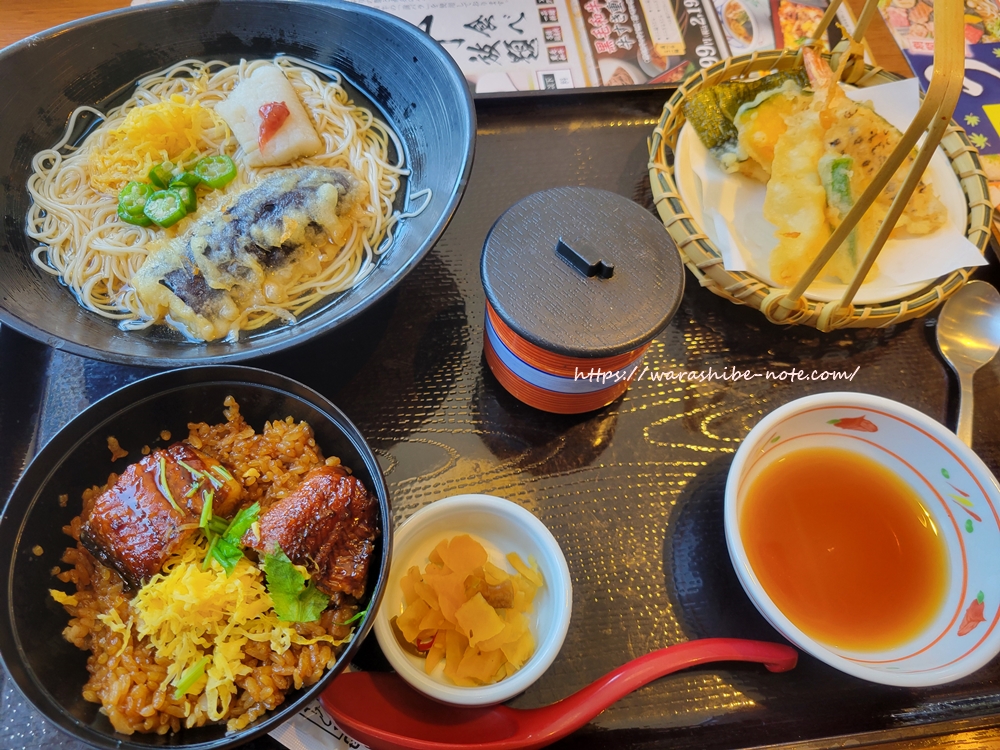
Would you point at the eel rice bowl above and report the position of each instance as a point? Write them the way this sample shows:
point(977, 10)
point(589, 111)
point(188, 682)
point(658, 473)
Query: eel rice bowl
point(216, 574)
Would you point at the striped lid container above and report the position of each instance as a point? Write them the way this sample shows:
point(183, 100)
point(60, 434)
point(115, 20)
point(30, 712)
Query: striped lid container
point(578, 283)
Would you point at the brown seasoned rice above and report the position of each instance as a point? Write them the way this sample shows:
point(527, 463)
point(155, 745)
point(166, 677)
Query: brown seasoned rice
point(126, 677)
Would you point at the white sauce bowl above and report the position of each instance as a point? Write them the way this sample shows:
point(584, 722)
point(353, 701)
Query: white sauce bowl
point(953, 484)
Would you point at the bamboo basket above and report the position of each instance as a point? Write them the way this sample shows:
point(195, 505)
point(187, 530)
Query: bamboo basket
point(933, 120)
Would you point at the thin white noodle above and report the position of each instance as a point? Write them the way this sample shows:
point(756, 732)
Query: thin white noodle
point(94, 254)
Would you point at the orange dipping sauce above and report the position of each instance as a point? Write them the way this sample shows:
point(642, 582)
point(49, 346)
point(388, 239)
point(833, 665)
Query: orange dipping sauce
point(844, 548)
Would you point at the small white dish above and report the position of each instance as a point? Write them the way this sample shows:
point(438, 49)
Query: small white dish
point(501, 526)
point(953, 484)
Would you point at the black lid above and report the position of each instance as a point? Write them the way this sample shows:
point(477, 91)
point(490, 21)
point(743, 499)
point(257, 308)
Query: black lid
point(582, 272)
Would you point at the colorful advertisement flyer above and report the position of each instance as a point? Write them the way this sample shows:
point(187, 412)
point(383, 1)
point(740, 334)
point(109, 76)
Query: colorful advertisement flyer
point(794, 21)
point(912, 24)
point(746, 25)
point(628, 50)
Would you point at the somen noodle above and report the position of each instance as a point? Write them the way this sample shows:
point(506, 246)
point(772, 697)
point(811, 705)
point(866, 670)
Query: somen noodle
point(75, 190)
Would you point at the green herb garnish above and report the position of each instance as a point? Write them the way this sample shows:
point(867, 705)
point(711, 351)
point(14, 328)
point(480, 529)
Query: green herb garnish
point(195, 474)
point(294, 599)
point(213, 539)
point(228, 553)
point(190, 676)
point(224, 540)
point(354, 619)
point(206, 508)
point(161, 484)
point(242, 521)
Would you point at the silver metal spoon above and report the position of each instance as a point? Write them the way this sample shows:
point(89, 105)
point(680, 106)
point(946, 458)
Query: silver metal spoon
point(968, 334)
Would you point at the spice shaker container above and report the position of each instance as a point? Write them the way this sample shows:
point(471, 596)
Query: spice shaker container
point(578, 282)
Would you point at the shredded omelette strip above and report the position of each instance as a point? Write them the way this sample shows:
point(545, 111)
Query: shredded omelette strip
point(188, 614)
point(170, 130)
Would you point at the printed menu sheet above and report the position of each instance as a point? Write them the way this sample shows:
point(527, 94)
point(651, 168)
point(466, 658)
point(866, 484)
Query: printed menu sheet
point(525, 45)
point(541, 45)
point(503, 45)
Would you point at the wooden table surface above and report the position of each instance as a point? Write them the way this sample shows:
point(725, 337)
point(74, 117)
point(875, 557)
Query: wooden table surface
point(20, 18)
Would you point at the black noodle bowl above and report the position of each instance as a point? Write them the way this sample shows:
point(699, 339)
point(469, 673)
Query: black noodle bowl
point(392, 67)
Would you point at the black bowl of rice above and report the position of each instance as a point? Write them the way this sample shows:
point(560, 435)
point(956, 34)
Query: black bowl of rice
point(90, 107)
point(77, 640)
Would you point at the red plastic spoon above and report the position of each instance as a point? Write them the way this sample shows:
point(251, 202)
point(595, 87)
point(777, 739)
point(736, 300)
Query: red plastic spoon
point(381, 710)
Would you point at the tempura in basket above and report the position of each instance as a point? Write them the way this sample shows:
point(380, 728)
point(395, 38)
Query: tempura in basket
point(817, 150)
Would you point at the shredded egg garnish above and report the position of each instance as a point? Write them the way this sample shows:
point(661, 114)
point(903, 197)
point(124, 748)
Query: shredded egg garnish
point(200, 620)
point(170, 130)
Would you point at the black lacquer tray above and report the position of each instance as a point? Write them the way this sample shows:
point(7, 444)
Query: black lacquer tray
point(632, 492)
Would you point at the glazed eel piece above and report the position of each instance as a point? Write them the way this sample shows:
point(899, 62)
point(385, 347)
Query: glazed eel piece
point(328, 524)
point(138, 522)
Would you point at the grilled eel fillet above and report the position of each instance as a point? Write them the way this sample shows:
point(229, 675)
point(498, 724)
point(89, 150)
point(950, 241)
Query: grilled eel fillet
point(327, 524)
point(132, 526)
